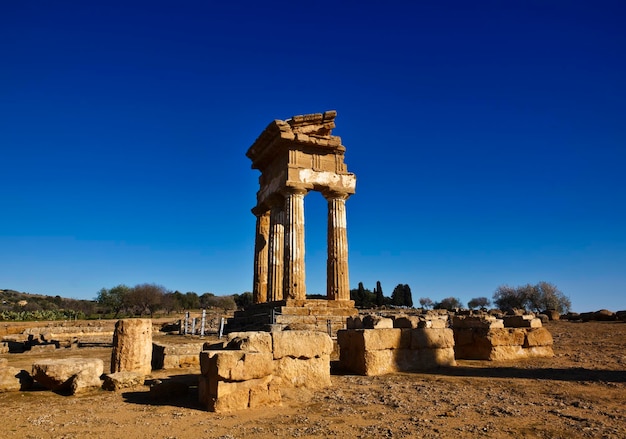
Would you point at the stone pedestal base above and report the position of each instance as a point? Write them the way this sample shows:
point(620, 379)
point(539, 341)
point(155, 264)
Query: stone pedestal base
point(311, 314)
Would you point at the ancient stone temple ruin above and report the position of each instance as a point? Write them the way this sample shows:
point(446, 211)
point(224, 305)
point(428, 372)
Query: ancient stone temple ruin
point(296, 156)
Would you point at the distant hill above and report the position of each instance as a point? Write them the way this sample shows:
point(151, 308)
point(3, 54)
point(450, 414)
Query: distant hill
point(12, 301)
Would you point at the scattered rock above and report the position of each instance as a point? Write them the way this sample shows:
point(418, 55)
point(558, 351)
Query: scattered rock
point(122, 380)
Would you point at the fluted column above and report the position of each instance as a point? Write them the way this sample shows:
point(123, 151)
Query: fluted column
point(294, 286)
point(338, 283)
point(276, 251)
point(261, 252)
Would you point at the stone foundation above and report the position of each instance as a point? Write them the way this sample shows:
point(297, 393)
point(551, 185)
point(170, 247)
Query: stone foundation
point(310, 315)
point(253, 367)
point(511, 338)
point(373, 346)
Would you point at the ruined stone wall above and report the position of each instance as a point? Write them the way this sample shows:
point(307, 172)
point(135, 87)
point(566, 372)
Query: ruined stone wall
point(510, 338)
point(251, 368)
point(373, 346)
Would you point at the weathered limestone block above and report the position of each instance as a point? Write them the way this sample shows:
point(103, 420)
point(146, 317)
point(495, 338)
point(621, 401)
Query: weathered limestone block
point(428, 338)
point(538, 337)
point(380, 351)
point(406, 321)
point(252, 341)
point(539, 352)
point(170, 356)
point(503, 353)
point(361, 340)
point(376, 322)
point(13, 379)
point(132, 346)
point(236, 365)
point(73, 374)
point(301, 344)
point(122, 380)
point(502, 343)
point(311, 373)
point(506, 337)
point(433, 358)
point(222, 396)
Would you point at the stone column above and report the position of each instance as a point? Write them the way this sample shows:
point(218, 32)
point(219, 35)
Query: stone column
point(294, 279)
point(276, 251)
point(132, 346)
point(261, 251)
point(338, 283)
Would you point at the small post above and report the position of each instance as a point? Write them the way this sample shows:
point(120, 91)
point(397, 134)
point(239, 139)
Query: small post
point(193, 326)
point(221, 331)
point(329, 327)
point(203, 323)
point(186, 323)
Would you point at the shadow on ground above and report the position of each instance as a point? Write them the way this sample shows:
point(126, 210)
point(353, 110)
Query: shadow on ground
point(176, 391)
point(571, 374)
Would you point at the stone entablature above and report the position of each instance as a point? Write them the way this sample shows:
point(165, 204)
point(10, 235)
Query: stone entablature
point(296, 156)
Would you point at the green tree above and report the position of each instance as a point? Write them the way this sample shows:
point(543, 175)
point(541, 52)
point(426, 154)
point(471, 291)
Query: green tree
point(426, 302)
point(547, 296)
point(398, 296)
point(540, 297)
point(408, 296)
point(146, 298)
point(449, 303)
point(363, 298)
point(507, 298)
point(380, 298)
point(478, 302)
point(114, 300)
point(244, 299)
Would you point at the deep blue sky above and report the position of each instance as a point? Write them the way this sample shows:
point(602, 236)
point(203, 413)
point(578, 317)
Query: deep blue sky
point(488, 140)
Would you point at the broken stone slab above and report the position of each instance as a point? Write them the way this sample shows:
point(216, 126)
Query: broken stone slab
point(69, 374)
point(122, 380)
point(13, 379)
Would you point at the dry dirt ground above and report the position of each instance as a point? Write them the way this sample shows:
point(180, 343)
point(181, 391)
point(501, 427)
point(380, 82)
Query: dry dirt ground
point(581, 392)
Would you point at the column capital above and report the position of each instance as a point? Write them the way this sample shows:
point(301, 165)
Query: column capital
point(335, 194)
point(260, 210)
point(294, 190)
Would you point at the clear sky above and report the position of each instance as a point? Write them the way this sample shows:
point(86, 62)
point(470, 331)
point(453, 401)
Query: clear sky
point(488, 140)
